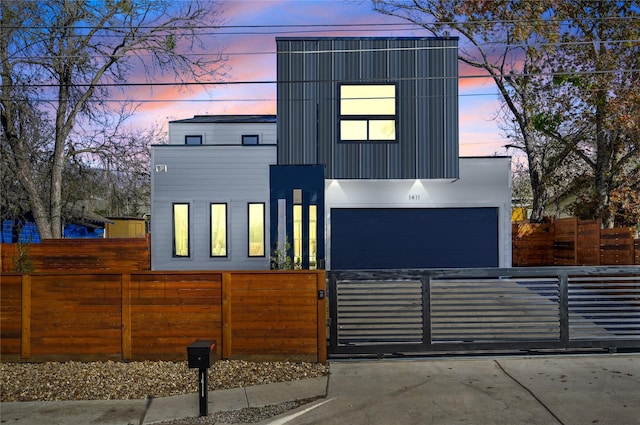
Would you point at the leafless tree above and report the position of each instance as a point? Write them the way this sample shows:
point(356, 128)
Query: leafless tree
point(60, 63)
point(567, 73)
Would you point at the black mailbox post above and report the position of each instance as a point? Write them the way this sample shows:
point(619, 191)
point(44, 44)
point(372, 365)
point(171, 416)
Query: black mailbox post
point(201, 354)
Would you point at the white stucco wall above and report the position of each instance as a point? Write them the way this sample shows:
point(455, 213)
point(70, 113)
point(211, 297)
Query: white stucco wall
point(483, 182)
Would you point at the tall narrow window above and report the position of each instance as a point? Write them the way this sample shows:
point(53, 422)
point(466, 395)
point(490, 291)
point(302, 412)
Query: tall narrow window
point(297, 228)
point(180, 230)
point(313, 232)
point(368, 112)
point(218, 230)
point(256, 229)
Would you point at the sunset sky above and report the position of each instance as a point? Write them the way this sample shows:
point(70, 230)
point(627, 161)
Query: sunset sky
point(248, 38)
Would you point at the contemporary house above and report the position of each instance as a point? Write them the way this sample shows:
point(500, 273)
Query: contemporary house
point(209, 194)
point(361, 169)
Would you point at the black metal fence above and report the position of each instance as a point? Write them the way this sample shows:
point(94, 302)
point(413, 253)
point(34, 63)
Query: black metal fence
point(513, 309)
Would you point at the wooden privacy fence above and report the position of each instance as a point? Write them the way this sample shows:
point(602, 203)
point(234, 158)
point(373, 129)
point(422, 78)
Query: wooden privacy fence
point(268, 315)
point(573, 242)
point(50, 255)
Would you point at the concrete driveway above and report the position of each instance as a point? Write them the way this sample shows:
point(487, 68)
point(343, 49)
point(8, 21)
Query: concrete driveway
point(568, 390)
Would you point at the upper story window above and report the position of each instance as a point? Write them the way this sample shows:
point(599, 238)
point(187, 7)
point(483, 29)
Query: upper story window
point(367, 113)
point(250, 139)
point(192, 140)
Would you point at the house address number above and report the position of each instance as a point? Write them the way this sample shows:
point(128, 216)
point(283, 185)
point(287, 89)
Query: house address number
point(414, 197)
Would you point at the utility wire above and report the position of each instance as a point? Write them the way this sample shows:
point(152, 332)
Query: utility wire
point(389, 49)
point(330, 27)
point(259, 82)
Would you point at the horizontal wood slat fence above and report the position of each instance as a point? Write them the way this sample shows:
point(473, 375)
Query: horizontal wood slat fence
point(272, 315)
point(51, 255)
point(573, 242)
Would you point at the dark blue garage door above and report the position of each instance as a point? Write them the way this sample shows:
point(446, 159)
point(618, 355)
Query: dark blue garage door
point(389, 238)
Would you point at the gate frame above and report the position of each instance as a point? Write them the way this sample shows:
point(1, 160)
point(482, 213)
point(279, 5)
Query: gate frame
point(425, 276)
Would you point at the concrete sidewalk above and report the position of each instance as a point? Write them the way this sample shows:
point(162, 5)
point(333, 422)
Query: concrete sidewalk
point(589, 389)
point(129, 412)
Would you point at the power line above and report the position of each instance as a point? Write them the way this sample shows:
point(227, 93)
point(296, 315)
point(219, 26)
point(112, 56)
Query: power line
point(256, 100)
point(331, 27)
point(388, 49)
point(371, 80)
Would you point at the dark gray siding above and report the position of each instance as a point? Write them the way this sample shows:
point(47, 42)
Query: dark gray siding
point(425, 71)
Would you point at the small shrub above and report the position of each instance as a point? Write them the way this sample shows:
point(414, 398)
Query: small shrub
point(22, 261)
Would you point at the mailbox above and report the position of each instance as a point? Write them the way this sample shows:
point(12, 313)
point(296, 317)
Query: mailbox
point(201, 353)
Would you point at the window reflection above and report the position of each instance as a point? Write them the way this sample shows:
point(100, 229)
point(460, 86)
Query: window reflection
point(313, 231)
point(368, 112)
point(256, 230)
point(297, 228)
point(181, 230)
point(218, 230)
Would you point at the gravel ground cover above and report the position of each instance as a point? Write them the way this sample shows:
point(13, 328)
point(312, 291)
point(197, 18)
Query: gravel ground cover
point(134, 380)
point(241, 416)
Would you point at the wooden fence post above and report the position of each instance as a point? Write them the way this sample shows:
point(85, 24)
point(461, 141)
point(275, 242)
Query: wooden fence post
point(321, 285)
point(126, 316)
point(226, 315)
point(25, 341)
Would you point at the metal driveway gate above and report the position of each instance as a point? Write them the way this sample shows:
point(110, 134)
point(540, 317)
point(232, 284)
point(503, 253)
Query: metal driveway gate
point(413, 311)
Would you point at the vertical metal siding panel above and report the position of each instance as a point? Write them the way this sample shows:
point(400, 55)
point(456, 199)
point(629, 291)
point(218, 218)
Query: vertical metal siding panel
point(283, 103)
point(293, 117)
point(423, 106)
point(437, 112)
point(406, 74)
point(393, 69)
point(367, 73)
point(427, 159)
point(353, 162)
point(327, 104)
point(390, 149)
point(427, 126)
point(297, 123)
point(351, 157)
point(343, 72)
point(432, 148)
point(453, 139)
point(298, 77)
point(308, 98)
point(379, 71)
